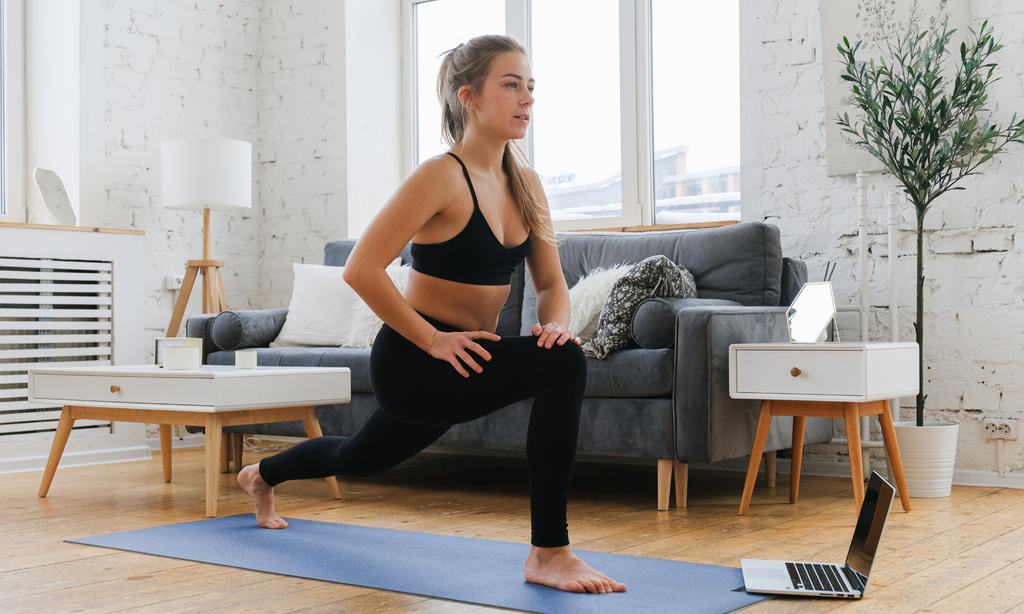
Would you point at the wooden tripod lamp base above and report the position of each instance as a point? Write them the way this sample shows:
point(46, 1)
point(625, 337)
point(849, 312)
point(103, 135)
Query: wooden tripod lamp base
point(214, 299)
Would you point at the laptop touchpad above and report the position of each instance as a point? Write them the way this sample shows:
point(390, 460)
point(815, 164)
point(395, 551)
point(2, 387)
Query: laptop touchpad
point(766, 574)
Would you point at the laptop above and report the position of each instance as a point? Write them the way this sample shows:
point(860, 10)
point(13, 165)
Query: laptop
point(829, 580)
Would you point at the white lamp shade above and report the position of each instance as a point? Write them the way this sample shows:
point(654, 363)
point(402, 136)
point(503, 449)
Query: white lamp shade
point(201, 173)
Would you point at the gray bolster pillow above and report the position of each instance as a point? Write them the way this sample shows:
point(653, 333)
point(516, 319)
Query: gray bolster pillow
point(654, 323)
point(235, 330)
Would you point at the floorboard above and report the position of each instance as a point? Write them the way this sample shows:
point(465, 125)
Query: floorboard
point(960, 553)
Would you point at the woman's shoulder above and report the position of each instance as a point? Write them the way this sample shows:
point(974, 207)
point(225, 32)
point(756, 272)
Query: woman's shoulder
point(438, 175)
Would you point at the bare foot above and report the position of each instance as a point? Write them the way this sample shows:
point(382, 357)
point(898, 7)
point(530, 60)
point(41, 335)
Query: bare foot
point(262, 494)
point(560, 568)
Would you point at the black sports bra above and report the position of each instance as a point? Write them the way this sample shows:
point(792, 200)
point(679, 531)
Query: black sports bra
point(474, 256)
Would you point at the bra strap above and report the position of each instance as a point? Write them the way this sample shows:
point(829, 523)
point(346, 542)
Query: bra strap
point(465, 171)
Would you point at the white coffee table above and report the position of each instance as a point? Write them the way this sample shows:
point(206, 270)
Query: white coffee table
point(212, 397)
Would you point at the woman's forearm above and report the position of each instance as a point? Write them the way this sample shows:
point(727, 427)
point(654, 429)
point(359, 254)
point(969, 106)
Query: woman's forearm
point(553, 305)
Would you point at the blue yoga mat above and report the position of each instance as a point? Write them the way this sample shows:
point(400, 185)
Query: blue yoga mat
point(457, 568)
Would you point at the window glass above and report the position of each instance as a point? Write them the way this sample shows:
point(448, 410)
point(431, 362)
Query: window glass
point(696, 110)
point(441, 25)
point(577, 131)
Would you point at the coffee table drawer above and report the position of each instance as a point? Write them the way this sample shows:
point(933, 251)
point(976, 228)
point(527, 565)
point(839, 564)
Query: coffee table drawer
point(826, 373)
point(89, 389)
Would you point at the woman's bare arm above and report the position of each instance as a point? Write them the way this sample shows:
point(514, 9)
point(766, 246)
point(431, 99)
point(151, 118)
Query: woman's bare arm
point(549, 283)
point(421, 197)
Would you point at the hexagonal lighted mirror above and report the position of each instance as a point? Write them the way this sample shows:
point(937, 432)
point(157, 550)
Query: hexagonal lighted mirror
point(811, 311)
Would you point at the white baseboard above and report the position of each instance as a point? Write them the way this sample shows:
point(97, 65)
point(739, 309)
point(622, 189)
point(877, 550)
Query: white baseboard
point(76, 459)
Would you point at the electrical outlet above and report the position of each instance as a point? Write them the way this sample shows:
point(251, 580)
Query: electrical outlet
point(173, 282)
point(1000, 428)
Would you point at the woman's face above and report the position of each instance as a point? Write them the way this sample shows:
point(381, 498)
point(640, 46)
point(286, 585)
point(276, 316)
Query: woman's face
point(504, 105)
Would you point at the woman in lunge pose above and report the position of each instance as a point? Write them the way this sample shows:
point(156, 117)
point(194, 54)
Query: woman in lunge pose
point(473, 214)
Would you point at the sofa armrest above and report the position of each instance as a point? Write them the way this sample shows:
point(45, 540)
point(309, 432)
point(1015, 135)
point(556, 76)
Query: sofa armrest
point(654, 323)
point(201, 327)
point(710, 425)
point(236, 330)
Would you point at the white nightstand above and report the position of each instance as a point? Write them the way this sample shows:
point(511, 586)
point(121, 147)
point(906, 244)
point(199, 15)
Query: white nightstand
point(833, 380)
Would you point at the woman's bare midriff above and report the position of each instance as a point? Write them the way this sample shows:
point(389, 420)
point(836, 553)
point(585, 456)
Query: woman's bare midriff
point(467, 306)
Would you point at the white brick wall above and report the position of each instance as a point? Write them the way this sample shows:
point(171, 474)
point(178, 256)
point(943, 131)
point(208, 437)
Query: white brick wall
point(974, 324)
point(168, 69)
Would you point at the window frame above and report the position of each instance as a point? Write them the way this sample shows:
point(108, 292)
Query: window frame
point(13, 111)
point(636, 107)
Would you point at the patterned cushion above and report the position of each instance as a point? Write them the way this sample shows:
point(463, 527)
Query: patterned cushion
point(654, 277)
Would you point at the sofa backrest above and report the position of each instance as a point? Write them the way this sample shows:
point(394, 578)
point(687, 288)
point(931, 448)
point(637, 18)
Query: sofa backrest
point(741, 263)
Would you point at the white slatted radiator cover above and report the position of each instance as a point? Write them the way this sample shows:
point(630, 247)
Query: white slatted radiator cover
point(52, 312)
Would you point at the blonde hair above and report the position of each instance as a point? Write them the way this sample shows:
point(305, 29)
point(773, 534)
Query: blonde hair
point(468, 64)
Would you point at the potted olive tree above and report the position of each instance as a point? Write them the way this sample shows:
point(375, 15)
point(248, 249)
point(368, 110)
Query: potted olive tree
point(927, 123)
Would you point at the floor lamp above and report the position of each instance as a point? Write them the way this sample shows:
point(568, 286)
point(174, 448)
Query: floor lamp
point(201, 173)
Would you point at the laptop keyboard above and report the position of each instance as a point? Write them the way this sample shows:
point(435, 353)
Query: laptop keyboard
point(813, 576)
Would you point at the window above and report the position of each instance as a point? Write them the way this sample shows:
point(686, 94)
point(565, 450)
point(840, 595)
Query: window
point(696, 110)
point(12, 104)
point(637, 114)
point(577, 123)
point(438, 26)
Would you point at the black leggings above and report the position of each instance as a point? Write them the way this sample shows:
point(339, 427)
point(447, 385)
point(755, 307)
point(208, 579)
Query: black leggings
point(420, 397)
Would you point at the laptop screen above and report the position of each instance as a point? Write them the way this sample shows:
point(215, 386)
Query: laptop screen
point(873, 513)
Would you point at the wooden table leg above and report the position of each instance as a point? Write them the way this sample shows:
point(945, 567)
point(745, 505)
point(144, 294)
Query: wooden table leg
point(893, 450)
point(764, 422)
point(664, 483)
point(799, 427)
point(214, 432)
point(682, 473)
point(770, 460)
point(225, 453)
point(236, 450)
point(851, 413)
point(165, 450)
point(312, 424)
point(60, 439)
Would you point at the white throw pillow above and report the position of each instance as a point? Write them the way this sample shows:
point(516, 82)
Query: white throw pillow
point(326, 311)
point(587, 298)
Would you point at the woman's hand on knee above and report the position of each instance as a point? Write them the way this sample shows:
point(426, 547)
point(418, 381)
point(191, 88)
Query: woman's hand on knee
point(450, 347)
point(552, 333)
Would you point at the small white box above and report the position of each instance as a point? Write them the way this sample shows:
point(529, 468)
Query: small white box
point(183, 358)
point(245, 359)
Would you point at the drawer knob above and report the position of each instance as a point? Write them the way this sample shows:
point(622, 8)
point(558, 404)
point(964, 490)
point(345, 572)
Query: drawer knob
point(115, 389)
point(794, 372)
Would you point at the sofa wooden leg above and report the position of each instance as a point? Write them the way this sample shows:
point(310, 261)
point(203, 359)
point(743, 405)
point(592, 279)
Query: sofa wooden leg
point(682, 471)
point(664, 483)
point(769, 468)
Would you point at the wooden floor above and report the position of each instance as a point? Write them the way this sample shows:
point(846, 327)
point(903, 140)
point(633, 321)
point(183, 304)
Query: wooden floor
point(964, 553)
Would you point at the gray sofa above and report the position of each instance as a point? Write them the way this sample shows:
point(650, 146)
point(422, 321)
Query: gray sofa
point(666, 399)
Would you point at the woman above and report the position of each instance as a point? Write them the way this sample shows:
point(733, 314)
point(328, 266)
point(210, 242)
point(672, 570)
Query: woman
point(472, 214)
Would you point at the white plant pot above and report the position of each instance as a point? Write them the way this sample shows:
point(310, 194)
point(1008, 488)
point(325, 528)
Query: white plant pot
point(929, 454)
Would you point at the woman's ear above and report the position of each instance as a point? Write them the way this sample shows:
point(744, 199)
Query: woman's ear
point(466, 96)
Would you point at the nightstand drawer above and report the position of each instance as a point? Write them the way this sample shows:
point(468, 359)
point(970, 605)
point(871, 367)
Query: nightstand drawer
point(120, 390)
point(826, 373)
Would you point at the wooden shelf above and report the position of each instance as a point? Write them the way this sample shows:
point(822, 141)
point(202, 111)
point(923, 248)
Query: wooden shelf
point(116, 231)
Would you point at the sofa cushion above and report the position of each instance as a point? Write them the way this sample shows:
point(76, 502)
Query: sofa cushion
point(656, 276)
point(247, 329)
point(631, 373)
point(741, 263)
point(654, 323)
point(356, 359)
